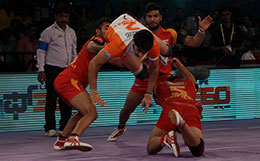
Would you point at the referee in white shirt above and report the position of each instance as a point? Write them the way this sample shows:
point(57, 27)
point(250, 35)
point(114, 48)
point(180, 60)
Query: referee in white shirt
point(57, 49)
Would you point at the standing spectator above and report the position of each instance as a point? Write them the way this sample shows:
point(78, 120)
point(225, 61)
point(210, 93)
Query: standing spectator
point(29, 43)
point(227, 41)
point(57, 49)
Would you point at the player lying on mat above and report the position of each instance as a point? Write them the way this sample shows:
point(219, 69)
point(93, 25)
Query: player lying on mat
point(180, 113)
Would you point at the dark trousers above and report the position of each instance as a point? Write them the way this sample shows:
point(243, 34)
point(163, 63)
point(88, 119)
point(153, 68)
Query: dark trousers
point(51, 98)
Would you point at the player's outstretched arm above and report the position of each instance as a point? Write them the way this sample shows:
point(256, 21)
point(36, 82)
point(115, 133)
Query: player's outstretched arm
point(185, 72)
point(147, 100)
point(93, 68)
point(195, 41)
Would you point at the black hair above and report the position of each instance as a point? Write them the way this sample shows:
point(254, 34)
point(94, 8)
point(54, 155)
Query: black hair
point(144, 40)
point(101, 21)
point(62, 8)
point(152, 6)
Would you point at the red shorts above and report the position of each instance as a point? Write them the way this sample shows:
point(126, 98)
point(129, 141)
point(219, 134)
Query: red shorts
point(190, 113)
point(68, 87)
point(140, 86)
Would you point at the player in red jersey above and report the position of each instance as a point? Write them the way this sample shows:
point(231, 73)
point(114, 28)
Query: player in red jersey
point(71, 86)
point(180, 113)
point(153, 17)
point(72, 82)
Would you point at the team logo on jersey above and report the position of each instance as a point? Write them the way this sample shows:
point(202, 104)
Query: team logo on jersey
point(129, 23)
point(72, 36)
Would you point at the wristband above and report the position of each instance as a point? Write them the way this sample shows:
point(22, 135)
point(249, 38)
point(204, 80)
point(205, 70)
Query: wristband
point(148, 93)
point(201, 31)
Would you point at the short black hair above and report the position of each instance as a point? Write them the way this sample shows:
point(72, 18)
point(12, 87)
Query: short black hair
point(62, 8)
point(152, 6)
point(144, 40)
point(101, 21)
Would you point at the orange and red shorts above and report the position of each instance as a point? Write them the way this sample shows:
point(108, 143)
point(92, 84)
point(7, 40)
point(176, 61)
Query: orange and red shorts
point(140, 86)
point(68, 87)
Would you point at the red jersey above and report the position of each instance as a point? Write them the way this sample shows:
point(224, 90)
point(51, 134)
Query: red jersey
point(79, 67)
point(170, 37)
point(179, 90)
point(179, 95)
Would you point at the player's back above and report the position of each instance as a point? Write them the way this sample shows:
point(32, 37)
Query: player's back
point(178, 90)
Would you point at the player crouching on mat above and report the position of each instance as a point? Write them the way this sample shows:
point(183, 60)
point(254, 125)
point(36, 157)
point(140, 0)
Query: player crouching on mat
point(180, 113)
point(71, 86)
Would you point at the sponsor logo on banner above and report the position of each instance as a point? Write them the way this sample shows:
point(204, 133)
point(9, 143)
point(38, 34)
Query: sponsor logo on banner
point(217, 96)
point(16, 103)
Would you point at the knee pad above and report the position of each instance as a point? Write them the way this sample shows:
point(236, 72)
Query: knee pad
point(143, 73)
point(197, 151)
point(169, 52)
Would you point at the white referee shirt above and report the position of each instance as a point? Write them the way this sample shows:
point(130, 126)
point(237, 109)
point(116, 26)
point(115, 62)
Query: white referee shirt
point(56, 47)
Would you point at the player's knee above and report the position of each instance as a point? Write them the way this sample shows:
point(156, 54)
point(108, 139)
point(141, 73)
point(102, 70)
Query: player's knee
point(198, 150)
point(93, 115)
point(143, 73)
point(151, 151)
point(153, 147)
